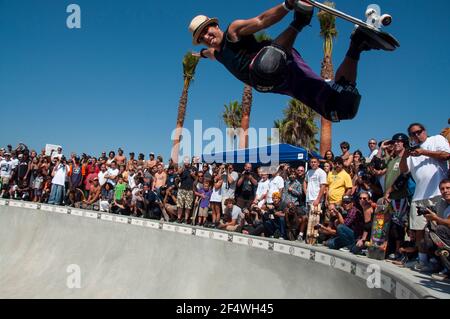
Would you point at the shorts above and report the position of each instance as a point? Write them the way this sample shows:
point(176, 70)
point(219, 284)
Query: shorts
point(203, 212)
point(417, 222)
point(185, 198)
point(5, 182)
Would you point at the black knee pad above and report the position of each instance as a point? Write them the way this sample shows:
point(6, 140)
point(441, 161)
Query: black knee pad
point(343, 104)
point(268, 69)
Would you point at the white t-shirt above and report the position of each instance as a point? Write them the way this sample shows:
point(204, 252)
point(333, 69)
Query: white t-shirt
point(60, 175)
point(15, 162)
point(372, 154)
point(228, 190)
point(236, 214)
point(314, 178)
point(275, 184)
point(263, 188)
point(101, 178)
point(112, 172)
point(6, 168)
point(428, 172)
point(216, 195)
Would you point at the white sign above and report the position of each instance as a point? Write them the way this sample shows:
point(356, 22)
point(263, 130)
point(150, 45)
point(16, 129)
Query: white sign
point(49, 148)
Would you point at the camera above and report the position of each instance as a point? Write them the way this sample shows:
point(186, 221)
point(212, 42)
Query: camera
point(422, 211)
point(318, 226)
point(246, 173)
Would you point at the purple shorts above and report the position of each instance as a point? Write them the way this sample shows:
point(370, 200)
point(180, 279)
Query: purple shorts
point(305, 85)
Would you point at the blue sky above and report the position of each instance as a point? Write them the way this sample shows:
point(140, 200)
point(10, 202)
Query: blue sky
point(116, 82)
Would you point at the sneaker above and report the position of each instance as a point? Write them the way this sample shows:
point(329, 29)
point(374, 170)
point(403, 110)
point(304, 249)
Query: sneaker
point(300, 239)
point(179, 221)
point(345, 249)
point(277, 234)
point(442, 275)
point(422, 267)
point(367, 39)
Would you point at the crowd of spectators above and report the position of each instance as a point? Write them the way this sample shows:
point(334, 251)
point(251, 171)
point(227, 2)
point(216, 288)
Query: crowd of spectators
point(403, 173)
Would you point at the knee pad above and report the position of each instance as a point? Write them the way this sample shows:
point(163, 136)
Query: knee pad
point(343, 104)
point(268, 68)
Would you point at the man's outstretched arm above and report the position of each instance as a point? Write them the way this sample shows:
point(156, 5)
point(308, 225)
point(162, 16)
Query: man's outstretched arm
point(266, 19)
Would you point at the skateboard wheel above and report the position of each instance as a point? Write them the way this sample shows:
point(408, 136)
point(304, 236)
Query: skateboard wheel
point(386, 19)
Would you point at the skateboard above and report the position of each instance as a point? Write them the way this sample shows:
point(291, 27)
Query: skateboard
point(313, 219)
point(377, 247)
point(375, 20)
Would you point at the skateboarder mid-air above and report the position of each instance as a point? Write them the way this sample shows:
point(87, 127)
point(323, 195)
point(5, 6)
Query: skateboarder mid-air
point(275, 66)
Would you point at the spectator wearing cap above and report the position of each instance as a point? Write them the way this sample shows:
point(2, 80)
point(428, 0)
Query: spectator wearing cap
point(6, 171)
point(339, 183)
point(120, 158)
point(427, 163)
point(367, 206)
point(396, 193)
point(348, 225)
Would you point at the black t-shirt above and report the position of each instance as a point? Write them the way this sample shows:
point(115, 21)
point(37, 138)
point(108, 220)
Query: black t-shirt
point(22, 169)
point(247, 190)
point(187, 181)
point(237, 56)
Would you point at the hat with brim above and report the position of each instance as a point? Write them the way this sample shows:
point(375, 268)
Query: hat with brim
point(198, 24)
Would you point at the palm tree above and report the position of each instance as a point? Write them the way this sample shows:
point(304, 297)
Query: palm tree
point(328, 32)
point(190, 63)
point(232, 116)
point(298, 127)
point(247, 101)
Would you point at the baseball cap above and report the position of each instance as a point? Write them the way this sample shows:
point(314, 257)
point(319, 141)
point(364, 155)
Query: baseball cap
point(347, 199)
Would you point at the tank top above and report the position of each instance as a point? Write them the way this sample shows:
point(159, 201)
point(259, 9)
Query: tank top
point(237, 56)
point(216, 195)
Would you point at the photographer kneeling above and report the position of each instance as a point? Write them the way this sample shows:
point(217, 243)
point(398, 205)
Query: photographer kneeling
point(346, 225)
point(439, 223)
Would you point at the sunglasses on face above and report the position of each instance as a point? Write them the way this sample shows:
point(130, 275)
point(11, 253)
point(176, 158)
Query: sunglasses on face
point(416, 133)
point(363, 198)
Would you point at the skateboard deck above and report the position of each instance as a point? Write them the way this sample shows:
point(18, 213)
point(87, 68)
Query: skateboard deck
point(313, 219)
point(377, 247)
point(374, 22)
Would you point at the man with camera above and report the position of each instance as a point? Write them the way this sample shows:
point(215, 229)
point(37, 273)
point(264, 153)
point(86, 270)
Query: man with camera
point(246, 186)
point(346, 225)
point(59, 175)
point(229, 177)
point(274, 218)
point(426, 160)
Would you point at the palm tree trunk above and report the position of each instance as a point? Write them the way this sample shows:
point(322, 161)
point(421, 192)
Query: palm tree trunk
point(247, 100)
point(180, 121)
point(326, 129)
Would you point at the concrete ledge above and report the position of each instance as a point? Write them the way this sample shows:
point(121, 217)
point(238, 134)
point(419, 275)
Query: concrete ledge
point(392, 282)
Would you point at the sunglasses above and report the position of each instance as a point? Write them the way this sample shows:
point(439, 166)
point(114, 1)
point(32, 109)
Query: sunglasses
point(364, 198)
point(372, 143)
point(416, 133)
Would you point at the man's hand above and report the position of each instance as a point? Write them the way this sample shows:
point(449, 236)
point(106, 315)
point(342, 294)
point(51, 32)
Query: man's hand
point(417, 152)
point(360, 243)
point(431, 216)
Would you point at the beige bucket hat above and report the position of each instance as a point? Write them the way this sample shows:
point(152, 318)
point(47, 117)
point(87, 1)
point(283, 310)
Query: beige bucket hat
point(198, 24)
